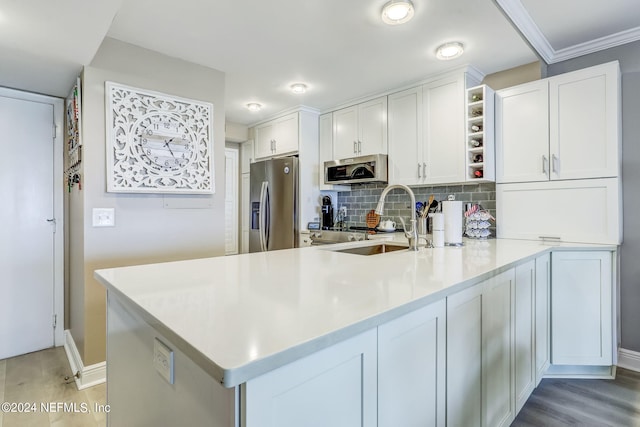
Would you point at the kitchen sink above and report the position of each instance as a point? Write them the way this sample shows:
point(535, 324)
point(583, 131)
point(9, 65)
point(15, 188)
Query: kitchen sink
point(380, 248)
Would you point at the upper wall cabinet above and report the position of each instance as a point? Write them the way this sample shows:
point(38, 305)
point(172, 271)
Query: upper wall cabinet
point(326, 152)
point(277, 137)
point(426, 132)
point(361, 129)
point(563, 127)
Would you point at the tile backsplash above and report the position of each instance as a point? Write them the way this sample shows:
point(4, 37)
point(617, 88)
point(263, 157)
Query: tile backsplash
point(364, 197)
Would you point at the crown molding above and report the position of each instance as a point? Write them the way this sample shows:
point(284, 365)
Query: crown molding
point(531, 32)
point(607, 42)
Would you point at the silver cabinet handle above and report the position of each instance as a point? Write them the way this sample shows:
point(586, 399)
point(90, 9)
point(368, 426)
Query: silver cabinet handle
point(424, 170)
point(554, 163)
point(545, 165)
point(355, 147)
point(359, 147)
point(419, 171)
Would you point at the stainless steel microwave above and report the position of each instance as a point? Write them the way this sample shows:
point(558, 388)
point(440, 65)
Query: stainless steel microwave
point(356, 170)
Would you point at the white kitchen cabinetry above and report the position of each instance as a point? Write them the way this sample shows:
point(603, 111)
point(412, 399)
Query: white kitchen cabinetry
point(585, 211)
point(542, 315)
point(332, 387)
point(360, 130)
point(581, 308)
point(411, 368)
point(524, 351)
point(443, 149)
point(480, 337)
point(426, 133)
point(326, 152)
point(480, 158)
point(584, 123)
point(522, 133)
point(277, 137)
point(563, 127)
point(405, 137)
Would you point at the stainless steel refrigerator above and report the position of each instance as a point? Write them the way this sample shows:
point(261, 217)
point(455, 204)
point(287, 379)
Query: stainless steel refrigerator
point(273, 200)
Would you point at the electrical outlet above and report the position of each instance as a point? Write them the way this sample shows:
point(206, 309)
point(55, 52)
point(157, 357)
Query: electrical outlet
point(343, 211)
point(103, 217)
point(163, 360)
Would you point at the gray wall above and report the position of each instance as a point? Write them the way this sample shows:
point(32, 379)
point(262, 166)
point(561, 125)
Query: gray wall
point(629, 57)
point(148, 228)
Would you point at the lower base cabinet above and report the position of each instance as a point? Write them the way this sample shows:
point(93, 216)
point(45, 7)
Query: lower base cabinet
point(334, 387)
point(582, 308)
point(479, 366)
point(524, 328)
point(543, 315)
point(411, 369)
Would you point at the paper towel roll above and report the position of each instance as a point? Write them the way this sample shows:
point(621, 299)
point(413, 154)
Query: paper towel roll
point(452, 211)
point(437, 223)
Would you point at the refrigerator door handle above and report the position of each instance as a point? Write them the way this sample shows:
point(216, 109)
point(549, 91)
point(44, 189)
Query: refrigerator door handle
point(262, 216)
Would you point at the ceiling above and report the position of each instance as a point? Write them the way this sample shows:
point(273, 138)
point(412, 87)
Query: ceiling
point(340, 49)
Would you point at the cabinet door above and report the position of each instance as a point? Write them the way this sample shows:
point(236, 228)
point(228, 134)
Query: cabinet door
point(585, 211)
point(372, 127)
point(543, 315)
point(444, 126)
point(524, 351)
point(464, 358)
point(286, 134)
point(264, 135)
point(345, 133)
point(522, 133)
point(584, 123)
point(411, 369)
point(497, 342)
point(581, 308)
point(405, 137)
point(332, 387)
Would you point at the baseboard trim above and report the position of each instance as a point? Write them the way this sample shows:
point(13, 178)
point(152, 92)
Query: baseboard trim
point(629, 359)
point(85, 376)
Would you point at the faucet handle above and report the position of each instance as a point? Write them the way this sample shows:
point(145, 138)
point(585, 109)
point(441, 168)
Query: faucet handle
point(404, 227)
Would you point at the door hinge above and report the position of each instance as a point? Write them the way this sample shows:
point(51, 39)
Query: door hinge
point(55, 321)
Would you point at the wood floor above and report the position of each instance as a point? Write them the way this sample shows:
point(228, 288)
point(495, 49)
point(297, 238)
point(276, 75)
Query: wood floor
point(562, 402)
point(39, 378)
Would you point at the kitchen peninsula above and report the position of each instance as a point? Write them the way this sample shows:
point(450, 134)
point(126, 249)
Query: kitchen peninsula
point(312, 336)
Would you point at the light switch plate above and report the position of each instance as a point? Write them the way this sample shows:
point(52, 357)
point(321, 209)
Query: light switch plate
point(163, 360)
point(104, 217)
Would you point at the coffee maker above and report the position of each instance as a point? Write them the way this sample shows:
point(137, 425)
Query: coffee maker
point(327, 213)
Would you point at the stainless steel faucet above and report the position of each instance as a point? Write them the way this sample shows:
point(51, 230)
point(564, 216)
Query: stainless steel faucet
point(412, 235)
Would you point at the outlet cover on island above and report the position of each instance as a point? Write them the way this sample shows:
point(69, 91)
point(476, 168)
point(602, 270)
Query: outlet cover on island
point(104, 217)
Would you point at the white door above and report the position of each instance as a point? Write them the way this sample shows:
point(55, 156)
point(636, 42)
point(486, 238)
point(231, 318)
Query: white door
point(522, 133)
point(372, 127)
point(231, 229)
point(345, 133)
point(444, 144)
point(27, 243)
point(405, 137)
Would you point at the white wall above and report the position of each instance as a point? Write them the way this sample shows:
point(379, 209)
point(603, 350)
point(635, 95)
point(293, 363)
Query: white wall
point(147, 230)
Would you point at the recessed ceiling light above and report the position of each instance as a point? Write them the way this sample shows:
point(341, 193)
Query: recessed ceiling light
point(397, 12)
point(449, 51)
point(298, 88)
point(254, 106)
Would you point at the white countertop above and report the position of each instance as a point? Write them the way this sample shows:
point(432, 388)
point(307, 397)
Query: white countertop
point(243, 315)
